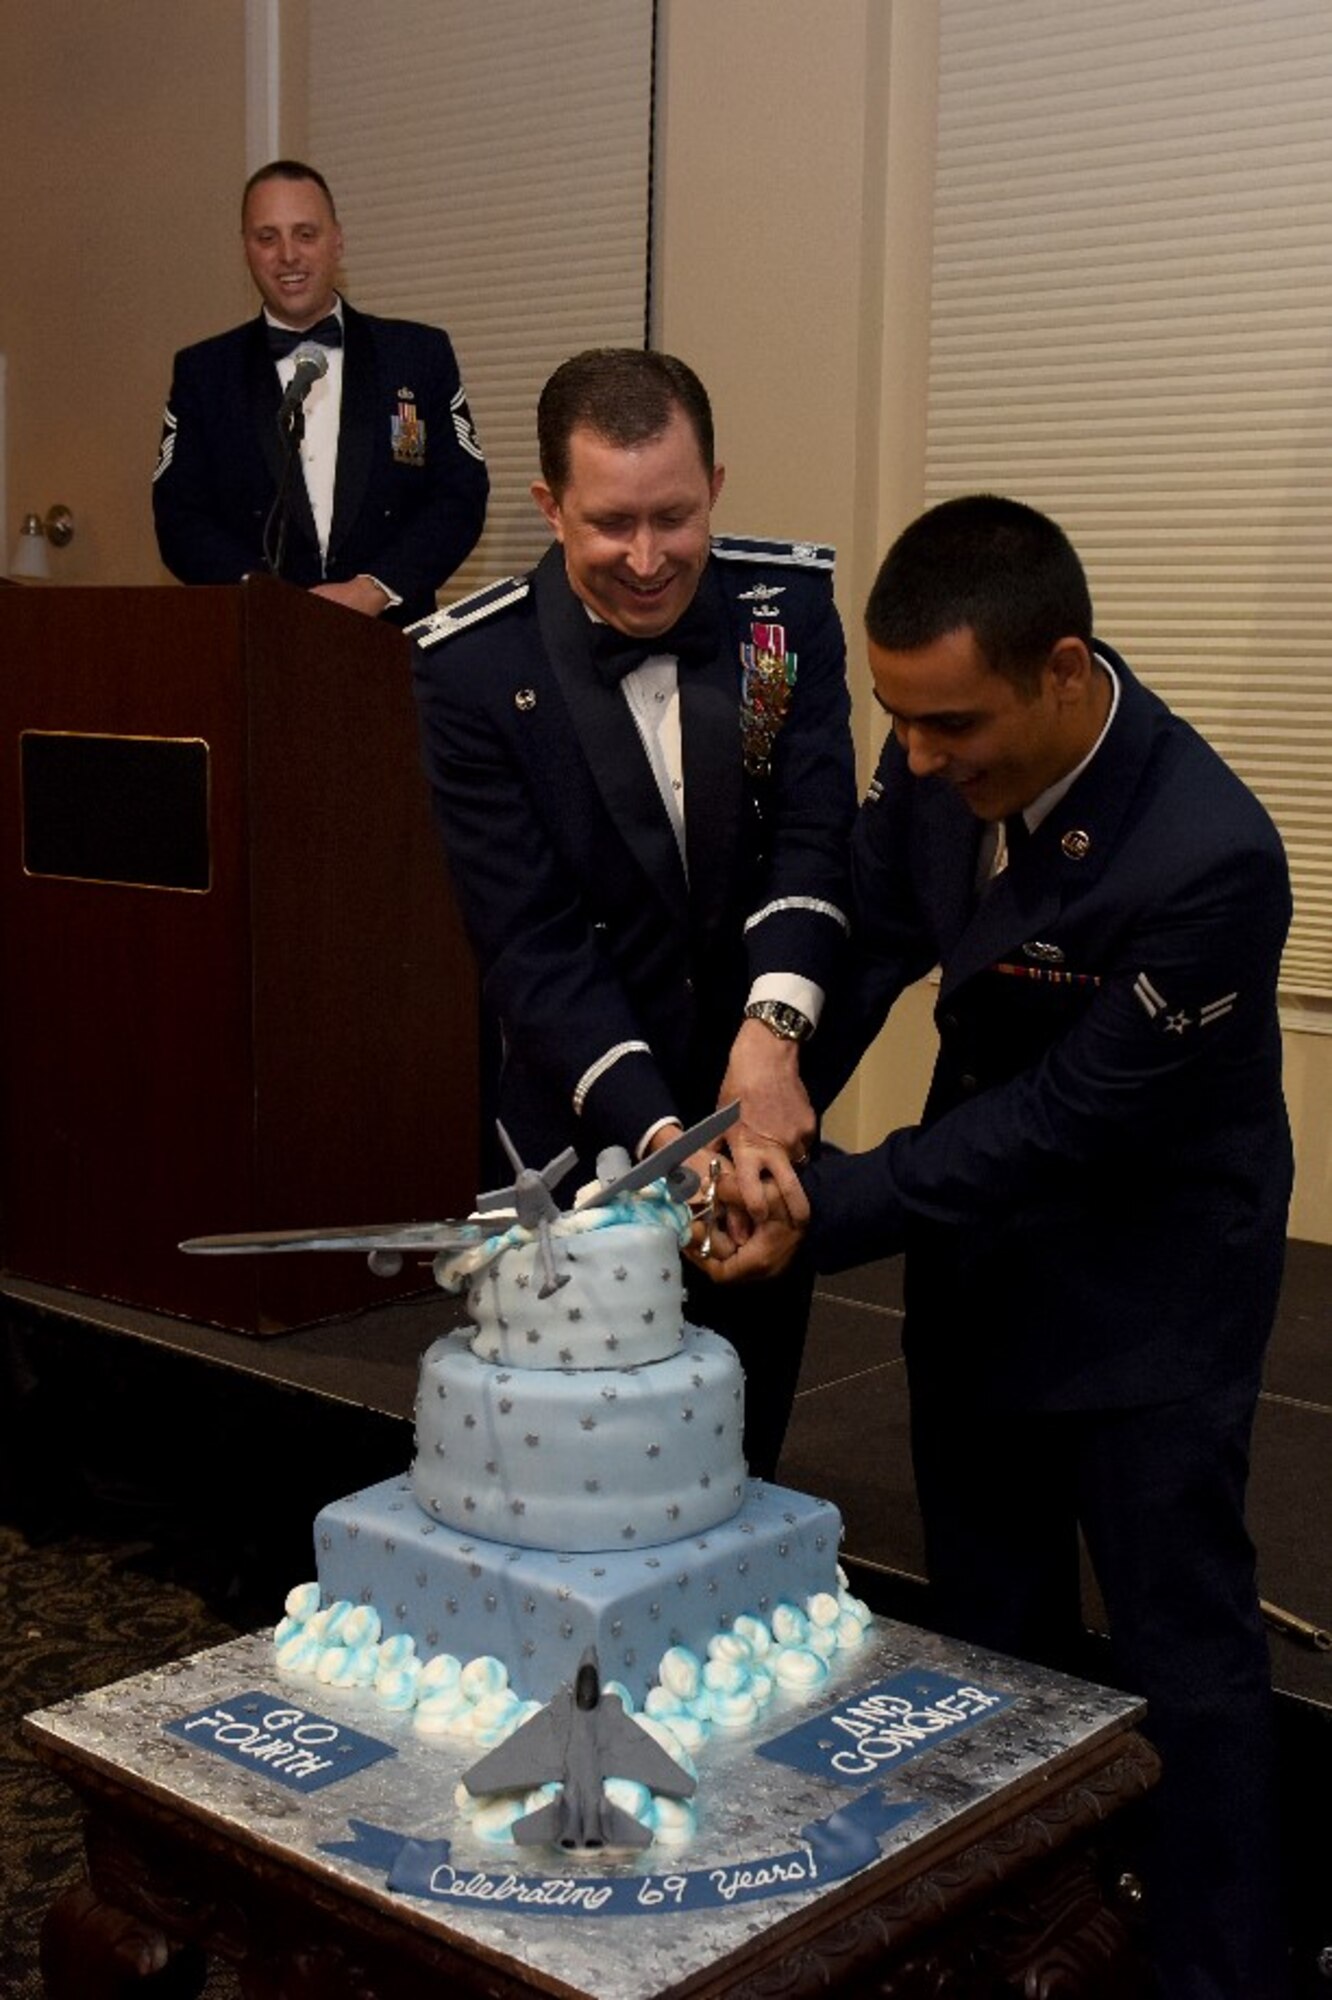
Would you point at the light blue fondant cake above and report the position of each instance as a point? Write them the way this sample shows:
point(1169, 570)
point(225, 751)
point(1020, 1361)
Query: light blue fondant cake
point(578, 1479)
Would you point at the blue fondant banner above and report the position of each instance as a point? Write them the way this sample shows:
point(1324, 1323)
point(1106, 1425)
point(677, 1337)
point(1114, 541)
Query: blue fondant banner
point(270, 1733)
point(829, 1849)
point(882, 1727)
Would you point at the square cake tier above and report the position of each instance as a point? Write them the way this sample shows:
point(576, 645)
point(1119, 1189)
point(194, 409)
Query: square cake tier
point(538, 1611)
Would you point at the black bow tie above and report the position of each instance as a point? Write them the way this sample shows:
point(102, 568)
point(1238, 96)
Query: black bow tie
point(692, 639)
point(283, 340)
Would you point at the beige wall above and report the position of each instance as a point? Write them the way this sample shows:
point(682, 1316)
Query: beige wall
point(795, 151)
point(121, 157)
point(794, 170)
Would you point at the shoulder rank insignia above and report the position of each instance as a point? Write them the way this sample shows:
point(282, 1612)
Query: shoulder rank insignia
point(483, 603)
point(464, 425)
point(794, 555)
point(1173, 1020)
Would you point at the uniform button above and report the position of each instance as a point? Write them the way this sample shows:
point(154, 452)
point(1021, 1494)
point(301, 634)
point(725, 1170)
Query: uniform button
point(967, 1081)
point(948, 1024)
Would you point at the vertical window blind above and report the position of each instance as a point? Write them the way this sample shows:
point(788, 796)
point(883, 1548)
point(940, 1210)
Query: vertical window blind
point(491, 166)
point(1131, 328)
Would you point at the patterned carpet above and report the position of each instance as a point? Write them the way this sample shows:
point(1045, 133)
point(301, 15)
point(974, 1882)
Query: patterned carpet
point(74, 1614)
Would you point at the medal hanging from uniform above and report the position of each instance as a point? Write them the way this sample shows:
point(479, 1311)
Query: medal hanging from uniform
point(769, 677)
point(407, 432)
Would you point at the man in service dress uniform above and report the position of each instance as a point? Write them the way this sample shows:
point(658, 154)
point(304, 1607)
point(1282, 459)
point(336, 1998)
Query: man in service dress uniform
point(372, 488)
point(642, 770)
point(1093, 1205)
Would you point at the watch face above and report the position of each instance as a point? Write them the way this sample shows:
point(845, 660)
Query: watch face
point(784, 1020)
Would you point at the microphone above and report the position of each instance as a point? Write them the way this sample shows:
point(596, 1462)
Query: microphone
point(311, 363)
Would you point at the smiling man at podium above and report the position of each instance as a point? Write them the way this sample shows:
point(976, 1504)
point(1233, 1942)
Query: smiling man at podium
point(316, 442)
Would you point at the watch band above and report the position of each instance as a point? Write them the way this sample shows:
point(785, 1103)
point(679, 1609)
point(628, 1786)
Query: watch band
point(784, 1020)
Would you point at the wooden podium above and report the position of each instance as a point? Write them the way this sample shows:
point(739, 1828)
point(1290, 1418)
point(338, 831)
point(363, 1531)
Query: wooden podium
point(234, 990)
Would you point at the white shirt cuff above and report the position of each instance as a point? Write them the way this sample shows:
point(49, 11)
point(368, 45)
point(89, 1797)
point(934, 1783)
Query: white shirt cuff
point(789, 987)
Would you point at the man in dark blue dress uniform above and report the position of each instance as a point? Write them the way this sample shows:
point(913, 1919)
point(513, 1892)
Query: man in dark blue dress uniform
point(642, 770)
point(1093, 1206)
point(378, 492)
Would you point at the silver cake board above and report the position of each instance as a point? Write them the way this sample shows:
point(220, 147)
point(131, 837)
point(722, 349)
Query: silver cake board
point(911, 1738)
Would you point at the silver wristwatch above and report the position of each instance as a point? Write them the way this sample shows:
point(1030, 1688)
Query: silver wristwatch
point(786, 1021)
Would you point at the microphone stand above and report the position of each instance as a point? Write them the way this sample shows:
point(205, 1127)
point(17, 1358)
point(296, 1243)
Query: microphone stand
point(292, 426)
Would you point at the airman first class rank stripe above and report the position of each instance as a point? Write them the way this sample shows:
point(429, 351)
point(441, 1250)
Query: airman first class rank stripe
point(1178, 1022)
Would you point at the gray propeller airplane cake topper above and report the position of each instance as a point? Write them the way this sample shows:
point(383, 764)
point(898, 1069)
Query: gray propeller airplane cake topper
point(528, 1199)
point(579, 1739)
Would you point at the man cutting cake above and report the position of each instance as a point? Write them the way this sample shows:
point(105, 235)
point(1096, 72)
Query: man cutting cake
point(642, 770)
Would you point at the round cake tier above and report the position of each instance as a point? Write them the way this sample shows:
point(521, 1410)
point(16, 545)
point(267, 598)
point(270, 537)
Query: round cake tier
point(621, 1304)
point(583, 1459)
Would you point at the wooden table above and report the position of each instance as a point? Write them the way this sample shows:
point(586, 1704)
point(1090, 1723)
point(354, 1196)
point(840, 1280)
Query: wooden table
point(987, 1869)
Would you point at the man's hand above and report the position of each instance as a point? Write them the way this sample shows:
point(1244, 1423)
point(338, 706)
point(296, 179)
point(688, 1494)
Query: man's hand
point(359, 593)
point(776, 1121)
point(767, 1246)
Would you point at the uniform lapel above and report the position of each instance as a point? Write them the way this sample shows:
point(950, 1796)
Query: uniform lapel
point(356, 426)
point(604, 726)
point(265, 395)
point(713, 763)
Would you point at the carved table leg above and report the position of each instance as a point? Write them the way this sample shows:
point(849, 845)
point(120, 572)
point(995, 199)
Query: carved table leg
point(91, 1950)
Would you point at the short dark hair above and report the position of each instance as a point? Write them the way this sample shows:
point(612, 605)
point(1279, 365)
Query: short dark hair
point(288, 170)
point(996, 566)
point(626, 395)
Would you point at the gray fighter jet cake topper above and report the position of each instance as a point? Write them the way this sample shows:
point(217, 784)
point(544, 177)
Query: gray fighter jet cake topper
point(528, 1200)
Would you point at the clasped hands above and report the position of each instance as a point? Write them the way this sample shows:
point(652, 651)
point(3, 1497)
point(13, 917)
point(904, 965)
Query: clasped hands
point(751, 1208)
point(738, 1236)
